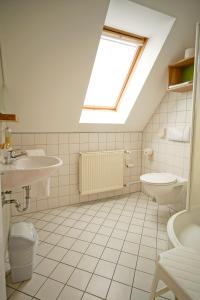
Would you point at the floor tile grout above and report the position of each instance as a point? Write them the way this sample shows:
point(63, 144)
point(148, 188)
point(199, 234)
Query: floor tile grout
point(117, 212)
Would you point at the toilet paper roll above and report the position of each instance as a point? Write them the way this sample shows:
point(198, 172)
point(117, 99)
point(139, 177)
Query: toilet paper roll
point(189, 52)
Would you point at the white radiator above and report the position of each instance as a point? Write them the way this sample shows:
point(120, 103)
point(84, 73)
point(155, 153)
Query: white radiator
point(100, 171)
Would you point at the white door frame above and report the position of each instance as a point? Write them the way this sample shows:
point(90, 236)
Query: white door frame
point(193, 185)
point(2, 265)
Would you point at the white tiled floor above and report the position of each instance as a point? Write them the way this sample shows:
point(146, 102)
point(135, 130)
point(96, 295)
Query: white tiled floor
point(98, 250)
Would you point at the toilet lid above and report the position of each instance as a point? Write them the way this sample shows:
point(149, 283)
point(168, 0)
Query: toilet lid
point(158, 178)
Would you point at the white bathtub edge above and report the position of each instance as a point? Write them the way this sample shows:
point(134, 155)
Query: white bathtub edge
point(170, 229)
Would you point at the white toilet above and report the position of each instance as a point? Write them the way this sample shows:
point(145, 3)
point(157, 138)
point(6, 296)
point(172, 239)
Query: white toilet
point(165, 188)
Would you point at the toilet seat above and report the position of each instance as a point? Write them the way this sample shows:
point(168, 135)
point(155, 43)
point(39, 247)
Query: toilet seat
point(158, 178)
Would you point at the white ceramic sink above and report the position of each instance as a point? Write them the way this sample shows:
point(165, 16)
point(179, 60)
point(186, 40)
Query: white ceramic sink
point(28, 170)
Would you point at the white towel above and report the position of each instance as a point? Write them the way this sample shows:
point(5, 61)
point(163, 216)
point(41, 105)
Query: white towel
point(179, 134)
point(40, 189)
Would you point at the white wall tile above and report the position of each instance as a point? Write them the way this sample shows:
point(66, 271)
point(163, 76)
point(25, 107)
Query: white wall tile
point(169, 156)
point(28, 139)
point(64, 183)
point(16, 140)
point(93, 138)
point(52, 139)
point(74, 138)
point(84, 138)
point(63, 138)
point(52, 150)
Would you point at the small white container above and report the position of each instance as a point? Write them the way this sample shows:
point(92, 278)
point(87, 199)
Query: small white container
point(22, 248)
point(189, 52)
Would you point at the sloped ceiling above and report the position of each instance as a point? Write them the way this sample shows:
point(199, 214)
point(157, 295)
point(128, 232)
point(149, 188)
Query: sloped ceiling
point(182, 36)
point(49, 49)
point(132, 17)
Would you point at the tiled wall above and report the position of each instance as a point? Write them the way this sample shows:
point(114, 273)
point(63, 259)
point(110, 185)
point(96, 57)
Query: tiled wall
point(64, 185)
point(174, 110)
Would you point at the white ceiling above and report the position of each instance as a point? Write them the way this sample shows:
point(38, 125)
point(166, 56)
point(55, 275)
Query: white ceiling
point(49, 49)
point(182, 36)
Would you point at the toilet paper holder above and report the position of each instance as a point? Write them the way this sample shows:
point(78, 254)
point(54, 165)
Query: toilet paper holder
point(148, 153)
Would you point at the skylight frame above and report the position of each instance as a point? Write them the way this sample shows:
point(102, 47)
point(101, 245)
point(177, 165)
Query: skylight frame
point(130, 37)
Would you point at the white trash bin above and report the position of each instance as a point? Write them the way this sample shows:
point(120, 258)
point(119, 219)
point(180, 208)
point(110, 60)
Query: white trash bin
point(22, 249)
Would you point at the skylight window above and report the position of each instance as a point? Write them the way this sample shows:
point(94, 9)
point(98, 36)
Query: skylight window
point(116, 58)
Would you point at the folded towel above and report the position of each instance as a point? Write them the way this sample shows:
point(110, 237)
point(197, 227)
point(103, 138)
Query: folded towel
point(40, 189)
point(179, 134)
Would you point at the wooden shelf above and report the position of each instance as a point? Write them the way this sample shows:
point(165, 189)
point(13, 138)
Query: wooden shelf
point(182, 88)
point(8, 117)
point(176, 75)
point(183, 62)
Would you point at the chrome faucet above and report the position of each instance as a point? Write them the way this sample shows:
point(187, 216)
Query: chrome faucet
point(10, 155)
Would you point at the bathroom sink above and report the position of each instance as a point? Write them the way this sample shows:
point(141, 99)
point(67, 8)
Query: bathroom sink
point(28, 170)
